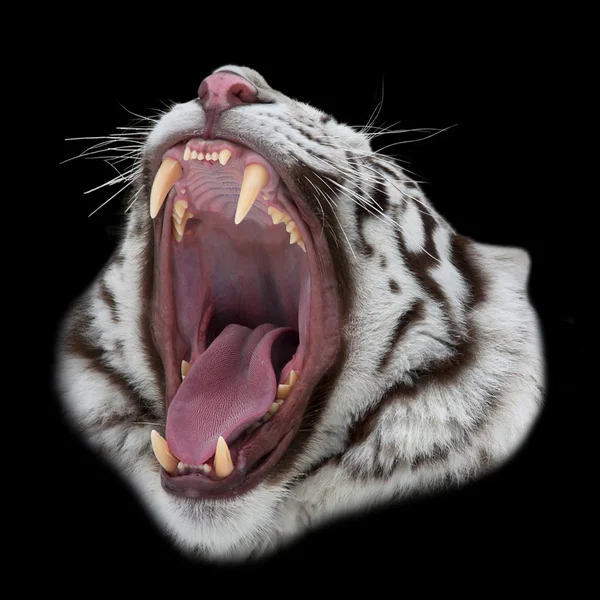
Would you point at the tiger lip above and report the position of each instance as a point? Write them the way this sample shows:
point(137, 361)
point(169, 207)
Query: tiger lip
point(256, 452)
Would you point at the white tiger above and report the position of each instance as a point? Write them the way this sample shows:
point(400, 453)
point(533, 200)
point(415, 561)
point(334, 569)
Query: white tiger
point(307, 336)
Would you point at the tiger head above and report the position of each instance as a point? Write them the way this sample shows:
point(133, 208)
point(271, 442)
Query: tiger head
point(288, 330)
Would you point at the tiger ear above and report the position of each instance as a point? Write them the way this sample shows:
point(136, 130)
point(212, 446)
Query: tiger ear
point(513, 259)
point(521, 260)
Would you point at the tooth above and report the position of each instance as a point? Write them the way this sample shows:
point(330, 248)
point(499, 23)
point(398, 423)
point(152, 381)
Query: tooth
point(207, 157)
point(286, 218)
point(176, 218)
point(176, 234)
point(185, 367)
point(163, 455)
point(200, 156)
point(170, 171)
point(206, 468)
point(255, 179)
point(186, 154)
point(275, 214)
point(301, 244)
point(274, 408)
point(265, 418)
point(295, 236)
point(283, 391)
point(222, 462)
point(224, 156)
point(290, 227)
point(180, 207)
point(292, 378)
point(194, 154)
point(179, 227)
point(215, 156)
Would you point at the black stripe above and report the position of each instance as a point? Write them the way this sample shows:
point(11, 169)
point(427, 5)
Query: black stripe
point(415, 313)
point(109, 299)
point(461, 256)
point(380, 195)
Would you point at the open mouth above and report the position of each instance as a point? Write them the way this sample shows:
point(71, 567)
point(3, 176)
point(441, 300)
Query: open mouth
point(245, 315)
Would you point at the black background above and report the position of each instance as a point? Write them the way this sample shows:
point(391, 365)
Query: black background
point(483, 175)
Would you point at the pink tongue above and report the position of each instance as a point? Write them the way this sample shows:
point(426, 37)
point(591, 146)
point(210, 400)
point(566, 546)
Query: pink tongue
point(231, 385)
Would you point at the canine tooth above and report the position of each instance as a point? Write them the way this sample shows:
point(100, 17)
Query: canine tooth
point(291, 226)
point(295, 236)
point(274, 408)
point(170, 172)
point(223, 463)
point(255, 179)
point(215, 155)
point(283, 391)
point(187, 153)
point(301, 244)
point(163, 455)
point(185, 367)
point(224, 156)
point(180, 207)
point(292, 378)
point(194, 154)
point(200, 156)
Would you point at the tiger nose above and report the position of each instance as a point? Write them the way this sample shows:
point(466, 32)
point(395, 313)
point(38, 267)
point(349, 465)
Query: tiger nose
point(222, 91)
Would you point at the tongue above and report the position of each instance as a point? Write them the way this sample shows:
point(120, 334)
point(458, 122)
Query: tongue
point(230, 386)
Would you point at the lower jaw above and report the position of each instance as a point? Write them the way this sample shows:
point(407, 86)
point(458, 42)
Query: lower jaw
point(236, 484)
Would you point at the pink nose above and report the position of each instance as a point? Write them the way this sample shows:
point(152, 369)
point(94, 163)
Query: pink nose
point(221, 91)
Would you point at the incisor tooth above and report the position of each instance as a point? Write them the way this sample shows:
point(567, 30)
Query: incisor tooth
point(215, 155)
point(223, 463)
point(163, 455)
point(185, 367)
point(283, 391)
point(187, 153)
point(255, 179)
point(200, 156)
point(224, 156)
point(194, 154)
point(170, 171)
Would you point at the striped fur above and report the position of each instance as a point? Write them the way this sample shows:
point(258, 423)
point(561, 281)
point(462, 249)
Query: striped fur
point(440, 376)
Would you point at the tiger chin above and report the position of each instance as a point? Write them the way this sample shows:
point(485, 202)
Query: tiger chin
point(288, 332)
